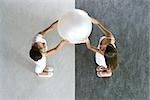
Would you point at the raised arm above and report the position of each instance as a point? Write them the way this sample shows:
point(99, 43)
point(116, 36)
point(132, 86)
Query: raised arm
point(55, 49)
point(49, 28)
point(92, 48)
point(101, 27)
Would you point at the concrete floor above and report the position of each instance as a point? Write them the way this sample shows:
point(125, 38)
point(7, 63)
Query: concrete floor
point(129, 21)
point(20, 20)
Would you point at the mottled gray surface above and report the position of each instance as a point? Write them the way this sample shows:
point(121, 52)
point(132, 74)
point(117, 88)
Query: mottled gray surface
point(129, 21)
point(20, 20)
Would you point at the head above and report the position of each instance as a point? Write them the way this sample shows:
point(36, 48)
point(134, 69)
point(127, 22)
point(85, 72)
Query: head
point(111, 56)
point(36, 51)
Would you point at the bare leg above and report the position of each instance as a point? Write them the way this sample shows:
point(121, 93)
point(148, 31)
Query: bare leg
point(58, 47)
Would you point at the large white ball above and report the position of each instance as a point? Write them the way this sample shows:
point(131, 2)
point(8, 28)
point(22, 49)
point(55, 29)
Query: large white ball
point(75, 26)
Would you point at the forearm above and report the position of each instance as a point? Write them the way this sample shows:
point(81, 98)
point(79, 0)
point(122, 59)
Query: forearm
point(101, 27)
point(92, 48)
point(60, 45)
point(49, 28)
point(104, 30)
point(55, 49)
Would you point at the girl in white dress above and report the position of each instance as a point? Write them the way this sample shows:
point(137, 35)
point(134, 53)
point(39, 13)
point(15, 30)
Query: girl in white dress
point(106, 52)
point(39, 52)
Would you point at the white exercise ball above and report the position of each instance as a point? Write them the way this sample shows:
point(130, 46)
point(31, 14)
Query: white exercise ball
point(75, 26)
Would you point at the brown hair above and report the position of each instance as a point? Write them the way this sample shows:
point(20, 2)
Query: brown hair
point(111, 56)
point(35, 53)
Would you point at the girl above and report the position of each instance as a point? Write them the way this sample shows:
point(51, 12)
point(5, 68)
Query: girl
point(106, 52)
point(39, 52)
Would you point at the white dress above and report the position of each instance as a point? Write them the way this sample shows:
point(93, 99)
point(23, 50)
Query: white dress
point(100, 59)
point(40, 64)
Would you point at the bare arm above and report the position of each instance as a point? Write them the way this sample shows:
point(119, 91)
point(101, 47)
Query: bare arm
point(102, 28)
point(49, 28)
point(55, 49)
point(92, 48)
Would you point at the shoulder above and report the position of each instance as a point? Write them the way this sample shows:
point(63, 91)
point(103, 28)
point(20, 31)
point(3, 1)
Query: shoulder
point(110, 39)
point(102, 38)
point(39, 35)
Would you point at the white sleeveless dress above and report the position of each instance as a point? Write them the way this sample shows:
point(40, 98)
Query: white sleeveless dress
point(99, 58)
point(40, 64)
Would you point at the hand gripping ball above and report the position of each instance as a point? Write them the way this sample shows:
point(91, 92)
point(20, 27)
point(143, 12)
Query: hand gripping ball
point(75, 26)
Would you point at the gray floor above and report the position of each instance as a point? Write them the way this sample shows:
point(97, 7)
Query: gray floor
point(128, 20)
point(20, 20)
